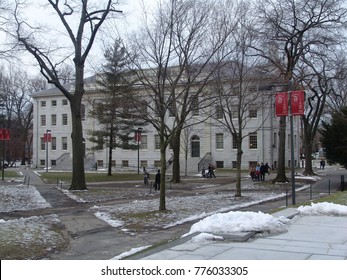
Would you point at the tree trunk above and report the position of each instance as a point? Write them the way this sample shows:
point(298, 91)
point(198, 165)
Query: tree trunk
point(162, 202)
point(281, 170)
point(110, 149)
point(238, 170)
point(308, 159)
point(176, 169)
point(78, 176)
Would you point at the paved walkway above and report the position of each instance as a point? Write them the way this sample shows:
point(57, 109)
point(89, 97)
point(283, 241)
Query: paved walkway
point(307, 238)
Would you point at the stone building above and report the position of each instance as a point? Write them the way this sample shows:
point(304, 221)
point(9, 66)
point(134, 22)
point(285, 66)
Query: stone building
point(206, 142)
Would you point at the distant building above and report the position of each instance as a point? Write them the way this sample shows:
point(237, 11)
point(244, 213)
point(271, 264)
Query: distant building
point(207, 142)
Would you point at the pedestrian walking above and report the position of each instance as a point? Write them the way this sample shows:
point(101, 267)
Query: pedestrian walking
point(262, 172)
point(157, 181)
point(211, 171)
point(267, 167)
point(145, 176)
point(322, 164)
point(252, 172)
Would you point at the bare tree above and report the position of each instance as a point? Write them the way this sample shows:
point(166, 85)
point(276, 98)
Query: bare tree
point(175, 50)
point(91, 18)
point(237, 83)
point(319, 73)
point(290, 29)
point(15, 88)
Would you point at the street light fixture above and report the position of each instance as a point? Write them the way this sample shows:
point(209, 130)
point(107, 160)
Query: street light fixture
point(138, 139)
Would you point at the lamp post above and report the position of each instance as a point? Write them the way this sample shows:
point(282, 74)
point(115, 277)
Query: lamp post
point(47, 138)
point(138, 139)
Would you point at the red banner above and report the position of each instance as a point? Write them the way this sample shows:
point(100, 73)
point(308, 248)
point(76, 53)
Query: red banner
point(5, 134)
point(297, 99)
point(137, 136)
point(281, 103)
point(47, 137)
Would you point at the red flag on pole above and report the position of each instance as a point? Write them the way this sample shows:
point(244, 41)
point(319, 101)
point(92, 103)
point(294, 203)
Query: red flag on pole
point(138, 136)
point(5, 134)
point(281, 102)
point(297, 99)
point(47, 137)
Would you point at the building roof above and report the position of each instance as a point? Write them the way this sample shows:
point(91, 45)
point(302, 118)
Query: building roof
point(54, 91)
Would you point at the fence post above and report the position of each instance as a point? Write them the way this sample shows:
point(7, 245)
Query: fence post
point(329, 187)
point(342, 183)
point(286, 197)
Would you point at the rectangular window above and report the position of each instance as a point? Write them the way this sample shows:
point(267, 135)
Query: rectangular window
point(64, 119)
point(64, 143)
point(144, 163)
point(43, 103)
point(53, 162)
point(42, 144)
point(42, 162)
point(289, 142)
point(126, 145)
point(113, 163)
point(100, 163)
point(220, 164)
point(234, 112)
point(253, 141)
point(54, 120)
point(195, 106)
point(156, 142)
point(125, 163)
point(64, 102)
point(172, 108)
point(219, 141)
point(157, 163)
point(54, 143)
point(294, 142)
point(234, 143)
point(219, 112)
point(253, 112)
point(54, 103)
point(233, 164)
point(43, 120)
point(83, 112)
point(275, 141)
point(144, 143)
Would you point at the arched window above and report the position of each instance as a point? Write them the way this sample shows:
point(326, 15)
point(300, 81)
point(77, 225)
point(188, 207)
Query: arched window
point(195, 142)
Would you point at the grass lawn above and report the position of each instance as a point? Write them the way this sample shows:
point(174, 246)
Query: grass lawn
point(10, 173)
point(53, 177)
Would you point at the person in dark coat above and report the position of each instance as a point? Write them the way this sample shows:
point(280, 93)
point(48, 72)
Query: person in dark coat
point(267, 167)
point(157, 181)
point(211, 171)
point(262, 172)
point(145, 176)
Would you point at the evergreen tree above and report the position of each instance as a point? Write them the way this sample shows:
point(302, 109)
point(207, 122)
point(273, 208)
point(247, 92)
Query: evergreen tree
point(117, 119)
point(334, 138)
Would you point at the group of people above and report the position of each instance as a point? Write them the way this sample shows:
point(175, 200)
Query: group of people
point(209, 173)
point(258, 171)
point(146, 176)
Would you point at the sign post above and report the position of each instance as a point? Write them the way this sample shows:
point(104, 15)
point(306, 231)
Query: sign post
point(291, 103)
point(5, 135)
point(47, 137)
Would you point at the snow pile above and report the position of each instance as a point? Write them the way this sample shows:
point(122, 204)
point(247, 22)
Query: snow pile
point(240, 222)
point(324, 208)
point(203, 237)
point(130, 252)
point(21, 198)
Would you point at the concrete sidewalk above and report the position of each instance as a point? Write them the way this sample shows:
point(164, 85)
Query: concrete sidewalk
point(307, 238)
